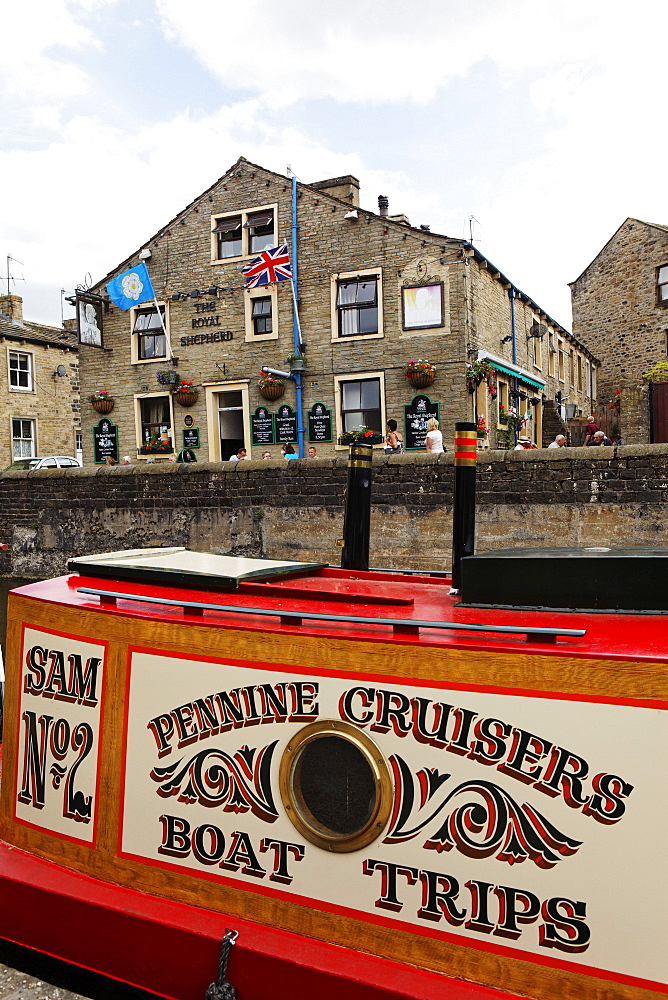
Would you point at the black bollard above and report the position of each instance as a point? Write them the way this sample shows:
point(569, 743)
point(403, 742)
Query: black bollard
point(463, 512)
point(357, 517)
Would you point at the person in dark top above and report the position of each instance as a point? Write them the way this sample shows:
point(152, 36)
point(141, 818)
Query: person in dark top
point(599, 438)
point(591, 429)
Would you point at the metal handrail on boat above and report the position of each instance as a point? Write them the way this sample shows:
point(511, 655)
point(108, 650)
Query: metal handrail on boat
point(399, 626)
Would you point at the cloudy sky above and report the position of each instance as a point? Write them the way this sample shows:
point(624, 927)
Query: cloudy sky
point(539, 123)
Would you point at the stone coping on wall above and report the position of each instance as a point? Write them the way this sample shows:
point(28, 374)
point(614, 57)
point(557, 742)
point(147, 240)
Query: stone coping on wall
point(538, 456)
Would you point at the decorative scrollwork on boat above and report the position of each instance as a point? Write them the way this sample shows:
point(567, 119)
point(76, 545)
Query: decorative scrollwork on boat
point(477, 818)
point(239, 782)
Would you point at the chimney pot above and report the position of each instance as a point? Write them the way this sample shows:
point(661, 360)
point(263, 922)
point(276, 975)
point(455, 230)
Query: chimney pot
point(383, 205)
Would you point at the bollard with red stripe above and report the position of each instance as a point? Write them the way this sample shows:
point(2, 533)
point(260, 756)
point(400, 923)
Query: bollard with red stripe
point(463, 512)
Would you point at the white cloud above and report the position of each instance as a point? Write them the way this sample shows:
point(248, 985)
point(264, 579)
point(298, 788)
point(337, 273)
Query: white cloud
point(582, 153)
point(30, 71)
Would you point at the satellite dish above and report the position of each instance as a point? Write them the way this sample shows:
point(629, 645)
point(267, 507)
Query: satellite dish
point(60, 370)
point(538, 330)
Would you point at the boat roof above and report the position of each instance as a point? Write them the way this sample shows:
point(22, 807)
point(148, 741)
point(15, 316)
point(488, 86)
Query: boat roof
point(370, 605)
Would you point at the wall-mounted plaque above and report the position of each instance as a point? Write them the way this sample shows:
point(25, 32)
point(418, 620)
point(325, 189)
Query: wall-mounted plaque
point(286, 425)
point(416, 415)
point(262, 426)
point(319, 424)
point(191, 437)
point(89, 320)
point(188, 420)
point(105, 441)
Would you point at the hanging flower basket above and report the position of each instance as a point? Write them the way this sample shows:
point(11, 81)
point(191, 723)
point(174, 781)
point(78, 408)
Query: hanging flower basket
point(420, 380)
point(170, 377)
point(185, 394)
point(102, 401)
point(478, 372)
point(419, 373)
point(103, 405)
point(186, 398)
point(270, 387)
point(271, 391)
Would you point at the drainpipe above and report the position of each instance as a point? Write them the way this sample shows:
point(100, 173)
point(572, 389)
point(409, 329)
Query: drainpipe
point(301, 430)
point(511, 295)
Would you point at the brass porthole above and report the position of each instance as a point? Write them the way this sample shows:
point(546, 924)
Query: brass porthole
point(336, 786)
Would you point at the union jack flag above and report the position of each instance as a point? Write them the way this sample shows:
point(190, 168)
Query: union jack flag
point(272, 265)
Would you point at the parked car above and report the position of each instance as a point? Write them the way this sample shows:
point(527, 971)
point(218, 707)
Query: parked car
point(48, 462)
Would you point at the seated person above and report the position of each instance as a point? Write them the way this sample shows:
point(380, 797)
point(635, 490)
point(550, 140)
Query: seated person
point(598, 438)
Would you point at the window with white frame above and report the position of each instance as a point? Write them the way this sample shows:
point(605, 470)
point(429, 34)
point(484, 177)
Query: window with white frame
point(360, 404)
point(242, 234)
point(155, 418)
point(148, 333)
point(357, 312)
point(662, 285)
point(20, 371)
point(261, 313)
point(23, 438)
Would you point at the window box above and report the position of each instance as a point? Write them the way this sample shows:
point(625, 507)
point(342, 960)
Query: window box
point(159, 448)
point(352, 437)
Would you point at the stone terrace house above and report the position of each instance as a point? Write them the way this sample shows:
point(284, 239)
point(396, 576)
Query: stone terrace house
point(373, 291)
point(620, 307)
point(39, 387)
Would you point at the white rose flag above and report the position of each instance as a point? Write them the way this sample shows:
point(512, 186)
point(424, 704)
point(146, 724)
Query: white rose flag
point(131, 288)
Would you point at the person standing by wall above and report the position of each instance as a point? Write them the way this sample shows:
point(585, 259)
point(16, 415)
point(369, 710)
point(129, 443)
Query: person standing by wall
point(394, 441)
point(434, 440)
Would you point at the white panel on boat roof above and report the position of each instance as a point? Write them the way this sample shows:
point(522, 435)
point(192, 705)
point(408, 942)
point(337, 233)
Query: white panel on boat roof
point(182, 566)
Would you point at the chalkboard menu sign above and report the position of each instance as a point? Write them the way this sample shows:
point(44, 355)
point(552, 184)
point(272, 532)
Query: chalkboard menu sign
point(286, 425)
point(319, 424)
point(262, 426)
point(191, 437)
point(105, 441)
point(416, 415)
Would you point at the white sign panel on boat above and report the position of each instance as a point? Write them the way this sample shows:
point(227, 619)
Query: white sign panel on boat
point(62, 681)
point(500, 821)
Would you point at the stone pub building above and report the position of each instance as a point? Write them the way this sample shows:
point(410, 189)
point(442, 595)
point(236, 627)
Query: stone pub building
point(373, 293)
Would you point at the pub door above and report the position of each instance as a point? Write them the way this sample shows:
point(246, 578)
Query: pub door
point(230, 423)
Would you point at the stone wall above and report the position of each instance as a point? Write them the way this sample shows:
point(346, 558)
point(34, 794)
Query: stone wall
point(565, 497)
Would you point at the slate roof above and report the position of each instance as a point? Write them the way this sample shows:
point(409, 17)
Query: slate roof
point(36, 333)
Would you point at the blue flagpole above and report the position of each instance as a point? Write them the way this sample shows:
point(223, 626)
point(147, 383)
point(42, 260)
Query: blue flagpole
point(297, 334)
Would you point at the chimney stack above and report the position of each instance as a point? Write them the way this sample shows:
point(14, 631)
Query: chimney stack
point(383, 205)
point(12, 306)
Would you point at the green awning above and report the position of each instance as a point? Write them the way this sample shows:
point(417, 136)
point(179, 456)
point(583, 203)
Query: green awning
point(520, 376)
